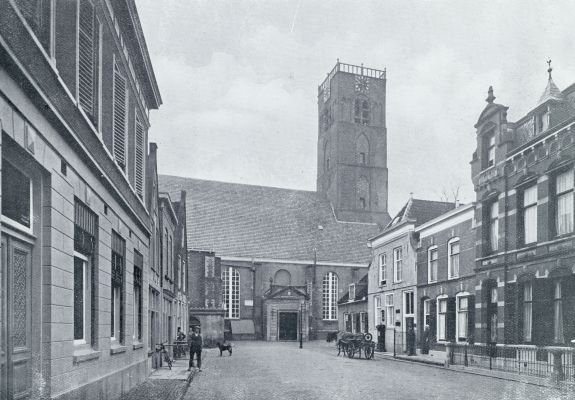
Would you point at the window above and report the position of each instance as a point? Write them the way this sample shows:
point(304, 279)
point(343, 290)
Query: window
point(527, 311)
point(138, 266)
point(329, 296)
point(363, 322)
point(210, 266)
point(558, 314)
point(382, 269)
point(409, 305)
point(432, 264)
point(362, 149)
point(453, 258)
point(85, 231)
point(493, 226)
point(140, 146)
point(379, 317)
point(397, 264)
point(529, 220)
point(118, 266)
point(352, 292)
point(39, 15)
point(441, 318)
point(348, 322)
point(564, 201)
point(120, 118)
point(427, 311)
point(154, 321)
point(362, 112)
point(488, 150)
point(389, 310)
point(16, 197)
point(231, 292)
point(88, 60)
point(462, 317)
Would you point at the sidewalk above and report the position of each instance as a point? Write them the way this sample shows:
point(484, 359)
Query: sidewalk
point(439, 361)
point(164, 383)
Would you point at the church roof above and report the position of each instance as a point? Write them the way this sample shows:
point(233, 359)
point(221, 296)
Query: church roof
point(238, 220)
point(420, 211)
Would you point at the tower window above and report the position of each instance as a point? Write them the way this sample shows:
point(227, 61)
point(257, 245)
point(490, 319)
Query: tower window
point(362, 158)
point(362, 112)
point(362, 203)
point(362, 189)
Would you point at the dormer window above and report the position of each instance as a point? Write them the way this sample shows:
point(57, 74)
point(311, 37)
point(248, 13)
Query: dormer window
point(352, 292)
point(488, 158)
point(541, 122)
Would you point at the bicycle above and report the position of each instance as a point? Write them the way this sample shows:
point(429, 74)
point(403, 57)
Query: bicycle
point(167, 358)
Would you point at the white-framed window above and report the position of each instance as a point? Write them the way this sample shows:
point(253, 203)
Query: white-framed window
point(427, 312)
point(530, 214)
point(432, 255)
point(231, 292)
point(382, 269)
point(379, 318)
point(462, 322)
point(527, 311)
point(17, 200)
point(389, 310)
point(558, 335)
point(329, 296)
point(453, 258)
point(408, 303)
point(120, 115)
point(352, 292)
point(564, 203)
point(81, 298)
point(493, 224)
point(397, 264)
point(442, 318)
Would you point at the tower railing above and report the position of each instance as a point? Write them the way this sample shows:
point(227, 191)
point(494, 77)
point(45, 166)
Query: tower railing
point(352, 69)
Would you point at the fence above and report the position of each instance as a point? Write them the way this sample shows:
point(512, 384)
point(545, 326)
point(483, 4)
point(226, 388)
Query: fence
point(553, 362)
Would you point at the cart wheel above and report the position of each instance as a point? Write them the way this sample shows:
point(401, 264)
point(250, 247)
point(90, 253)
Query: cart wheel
point(368, 350)
point(368, 337)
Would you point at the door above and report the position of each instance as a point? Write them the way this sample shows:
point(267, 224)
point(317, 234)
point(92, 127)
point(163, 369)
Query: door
point(15, 359)
point(288, 325)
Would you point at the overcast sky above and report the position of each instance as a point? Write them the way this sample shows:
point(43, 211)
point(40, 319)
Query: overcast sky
point(239, 81)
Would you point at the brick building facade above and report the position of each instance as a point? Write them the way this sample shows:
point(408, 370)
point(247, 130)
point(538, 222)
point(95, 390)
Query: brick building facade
point(76, 88)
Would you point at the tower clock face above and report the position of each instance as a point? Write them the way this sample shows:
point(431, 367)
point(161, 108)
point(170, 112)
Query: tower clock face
point(361, 84)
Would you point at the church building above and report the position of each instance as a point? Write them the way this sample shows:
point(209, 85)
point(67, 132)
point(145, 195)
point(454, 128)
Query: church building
point(282, 258)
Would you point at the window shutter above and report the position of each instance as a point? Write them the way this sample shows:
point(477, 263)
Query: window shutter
point(433, 320)
point(542, 311)
point(471, 319)
point(87, 59)
point(139, 158)
point(119, 128)
point(450, 319)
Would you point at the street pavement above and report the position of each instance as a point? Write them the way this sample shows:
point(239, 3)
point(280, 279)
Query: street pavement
point(260, 370)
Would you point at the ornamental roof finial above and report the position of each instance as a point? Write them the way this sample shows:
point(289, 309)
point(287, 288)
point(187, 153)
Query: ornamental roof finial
point(490, 96)
point(549, 69)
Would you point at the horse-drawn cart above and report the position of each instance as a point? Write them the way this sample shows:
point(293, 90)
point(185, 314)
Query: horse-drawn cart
point(351, 344)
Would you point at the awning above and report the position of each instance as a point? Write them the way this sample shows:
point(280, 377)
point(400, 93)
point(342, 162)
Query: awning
point(243, 327)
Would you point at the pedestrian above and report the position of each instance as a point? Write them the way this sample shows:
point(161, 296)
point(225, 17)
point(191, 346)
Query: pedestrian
point(195, 343)
point(426, 340)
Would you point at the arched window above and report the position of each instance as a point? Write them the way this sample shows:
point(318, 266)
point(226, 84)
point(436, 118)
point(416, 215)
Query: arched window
point(231, 292)
point(362, 150)
point(329, 297)
point(282, 278)
point(362, 191)
point(362, 112)
point(453, 260)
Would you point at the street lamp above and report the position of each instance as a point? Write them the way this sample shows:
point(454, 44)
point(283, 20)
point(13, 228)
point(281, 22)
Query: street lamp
point(301, 309)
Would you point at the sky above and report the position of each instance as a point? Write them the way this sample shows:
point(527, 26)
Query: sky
point(239, 81)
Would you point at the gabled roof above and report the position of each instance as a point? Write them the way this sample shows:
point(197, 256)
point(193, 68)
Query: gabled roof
point(420, 211)
point(360, 292)
point(237, 220)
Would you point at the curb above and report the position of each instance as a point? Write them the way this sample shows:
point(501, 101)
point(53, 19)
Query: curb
point(188, 384)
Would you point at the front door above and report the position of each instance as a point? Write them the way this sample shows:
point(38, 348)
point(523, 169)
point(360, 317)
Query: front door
point(15, 319)
point(288, 325)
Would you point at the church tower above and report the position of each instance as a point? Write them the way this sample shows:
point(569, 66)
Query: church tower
point(352, 143)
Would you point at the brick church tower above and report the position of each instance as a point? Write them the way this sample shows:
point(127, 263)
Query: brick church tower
point(352, 143)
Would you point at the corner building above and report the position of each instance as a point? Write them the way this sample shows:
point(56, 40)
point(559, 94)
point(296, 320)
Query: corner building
point(523, 174)
point(76, 88)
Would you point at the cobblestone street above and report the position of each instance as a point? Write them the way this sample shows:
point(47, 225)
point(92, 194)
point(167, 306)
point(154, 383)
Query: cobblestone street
point(259, 370)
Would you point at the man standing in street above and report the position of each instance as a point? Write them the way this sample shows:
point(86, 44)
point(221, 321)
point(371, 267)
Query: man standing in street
point(195, 343)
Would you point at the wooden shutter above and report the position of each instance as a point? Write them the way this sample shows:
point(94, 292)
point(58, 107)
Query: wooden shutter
point(119, 128)
point(86, 59)
point(139, 158)
point(450, 319)
point(433, 320)
point(471, 319)
point(542, 333)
